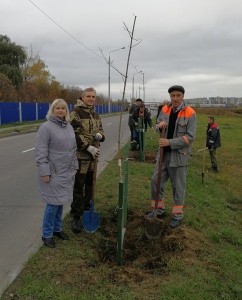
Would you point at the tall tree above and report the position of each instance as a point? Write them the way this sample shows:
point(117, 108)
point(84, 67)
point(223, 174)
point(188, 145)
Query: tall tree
point(7, 90)
point(12, 57)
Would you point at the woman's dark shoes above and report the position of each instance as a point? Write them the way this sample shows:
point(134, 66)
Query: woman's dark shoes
point(61, 235)
point(49, 242)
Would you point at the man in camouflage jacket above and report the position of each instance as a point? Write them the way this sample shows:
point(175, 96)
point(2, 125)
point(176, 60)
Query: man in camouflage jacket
point(89, 132)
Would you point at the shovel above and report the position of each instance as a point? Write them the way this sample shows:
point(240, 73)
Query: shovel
point(91, 219)
point(154, 226)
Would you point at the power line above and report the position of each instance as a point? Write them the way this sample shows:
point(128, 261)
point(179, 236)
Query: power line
point(65, 30)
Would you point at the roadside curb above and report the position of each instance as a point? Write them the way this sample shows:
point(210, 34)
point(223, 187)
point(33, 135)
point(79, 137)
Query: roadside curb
point(14, 133)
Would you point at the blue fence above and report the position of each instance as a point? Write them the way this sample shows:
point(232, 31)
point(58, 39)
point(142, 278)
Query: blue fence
point(13, 112)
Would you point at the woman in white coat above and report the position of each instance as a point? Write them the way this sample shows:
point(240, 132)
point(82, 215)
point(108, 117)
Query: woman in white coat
point(57, 165)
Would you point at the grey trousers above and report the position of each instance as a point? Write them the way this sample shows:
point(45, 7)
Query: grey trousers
point(177, 177)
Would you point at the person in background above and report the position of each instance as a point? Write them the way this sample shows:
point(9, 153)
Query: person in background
point(213, 142)
point(55, 154)
point(89, 132)
point(160, 108)
point(133, 107)
point(143, 114)
point(179, 122)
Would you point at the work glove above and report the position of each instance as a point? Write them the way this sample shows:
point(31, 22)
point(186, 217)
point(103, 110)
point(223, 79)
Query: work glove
point(98, 136)
point(94, 151)
point(211, 149)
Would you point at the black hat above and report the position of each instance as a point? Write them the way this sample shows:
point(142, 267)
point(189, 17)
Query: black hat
point(139, 100)
point(176, 88)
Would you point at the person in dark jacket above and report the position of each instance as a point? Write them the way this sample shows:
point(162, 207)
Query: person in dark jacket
point(57, 164)
point(213, 142)
point(89, 132)
point(133, 107)
point(160, 108)
point(143, 114)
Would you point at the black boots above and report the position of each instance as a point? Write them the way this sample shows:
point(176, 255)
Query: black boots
point(215, 169)
point(49, 242)
point(76, 225)
point(61, 235)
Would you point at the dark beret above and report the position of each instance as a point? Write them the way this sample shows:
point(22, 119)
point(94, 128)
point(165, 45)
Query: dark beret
point(176, 88)
point(139, 100)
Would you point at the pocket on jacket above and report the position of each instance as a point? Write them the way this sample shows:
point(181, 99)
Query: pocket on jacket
point(183, 156)
point(182, 128)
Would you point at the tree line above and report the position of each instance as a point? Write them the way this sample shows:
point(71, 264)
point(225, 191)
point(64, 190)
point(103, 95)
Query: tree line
point(24, 77)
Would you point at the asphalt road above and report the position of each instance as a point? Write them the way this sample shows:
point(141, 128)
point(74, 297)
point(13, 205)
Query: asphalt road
point(21, 210)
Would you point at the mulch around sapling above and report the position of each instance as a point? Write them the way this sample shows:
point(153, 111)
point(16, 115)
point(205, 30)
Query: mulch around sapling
point(144, 262)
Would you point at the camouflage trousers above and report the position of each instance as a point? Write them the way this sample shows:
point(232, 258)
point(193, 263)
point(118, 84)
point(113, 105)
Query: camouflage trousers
point(213, 159)
point(82, 192)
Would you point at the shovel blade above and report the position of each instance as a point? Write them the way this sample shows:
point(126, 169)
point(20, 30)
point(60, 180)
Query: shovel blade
point(153, 228)
point(91, 219)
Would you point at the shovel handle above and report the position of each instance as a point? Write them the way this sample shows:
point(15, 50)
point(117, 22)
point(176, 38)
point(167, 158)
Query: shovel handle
point(203, 161)
point(159, 174)
point(96, 144)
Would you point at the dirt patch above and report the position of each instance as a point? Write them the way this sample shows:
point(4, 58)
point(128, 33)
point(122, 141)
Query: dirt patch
point(143, 256)
point(149, 156)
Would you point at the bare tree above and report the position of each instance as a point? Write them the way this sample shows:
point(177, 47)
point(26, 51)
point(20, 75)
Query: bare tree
point(125, 76)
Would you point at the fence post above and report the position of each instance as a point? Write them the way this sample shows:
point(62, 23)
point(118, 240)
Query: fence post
point(126, 180)
point(36, 111)
point(120, 227)
point(20, 111)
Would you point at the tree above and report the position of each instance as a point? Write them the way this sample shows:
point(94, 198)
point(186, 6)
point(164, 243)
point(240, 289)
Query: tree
point(7, 90)
point(132, 39)
point(12, 57)
point(37, 72)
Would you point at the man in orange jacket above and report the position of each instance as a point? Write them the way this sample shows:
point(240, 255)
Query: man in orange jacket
point(179, 121)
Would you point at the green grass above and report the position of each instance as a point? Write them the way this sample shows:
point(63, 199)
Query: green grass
point(200, 260)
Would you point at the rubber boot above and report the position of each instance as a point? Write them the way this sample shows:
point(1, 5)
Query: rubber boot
point(133, 145)
point(215, 169)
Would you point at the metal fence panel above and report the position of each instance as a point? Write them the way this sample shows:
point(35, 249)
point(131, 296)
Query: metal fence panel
point(12, 112)
point(42, 110)
point(9, 112)
point(28, 111)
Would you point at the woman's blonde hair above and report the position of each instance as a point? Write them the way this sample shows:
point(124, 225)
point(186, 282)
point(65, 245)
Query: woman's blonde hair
point(54, 104)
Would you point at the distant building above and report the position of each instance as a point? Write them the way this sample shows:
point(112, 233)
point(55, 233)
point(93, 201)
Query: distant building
point(215, 101)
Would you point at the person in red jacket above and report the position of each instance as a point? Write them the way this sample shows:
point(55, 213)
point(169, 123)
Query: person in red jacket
point(213, 142)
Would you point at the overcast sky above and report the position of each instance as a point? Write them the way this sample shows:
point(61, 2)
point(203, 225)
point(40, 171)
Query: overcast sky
point(194, 43)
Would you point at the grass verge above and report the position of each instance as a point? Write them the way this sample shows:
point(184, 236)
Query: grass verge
point(199, 260)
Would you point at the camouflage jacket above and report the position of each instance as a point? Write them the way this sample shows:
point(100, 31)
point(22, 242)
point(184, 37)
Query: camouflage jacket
point(86, 123)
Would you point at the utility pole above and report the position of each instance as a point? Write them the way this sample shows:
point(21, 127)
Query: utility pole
point(141, 72)
point(139, 91)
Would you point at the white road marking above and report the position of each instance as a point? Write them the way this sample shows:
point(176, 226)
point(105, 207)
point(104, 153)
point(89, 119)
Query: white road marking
point(109, 124)
point(28, 150)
